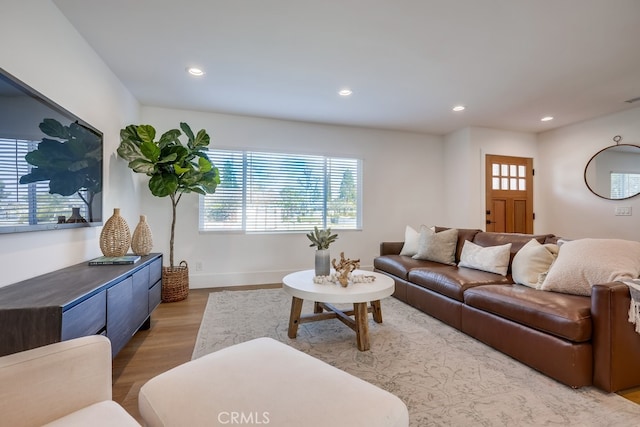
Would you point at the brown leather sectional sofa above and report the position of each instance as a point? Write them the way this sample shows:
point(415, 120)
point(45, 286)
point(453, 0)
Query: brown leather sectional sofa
point(577, 340)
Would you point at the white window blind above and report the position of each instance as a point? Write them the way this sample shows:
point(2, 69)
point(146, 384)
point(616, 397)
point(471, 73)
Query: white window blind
point(624, 185)
point(22, 204)
point(276, 192)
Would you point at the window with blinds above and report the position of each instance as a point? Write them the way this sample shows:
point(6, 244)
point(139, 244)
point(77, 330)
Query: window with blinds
point(624, 185)
point(22, 204)
point(276, 192)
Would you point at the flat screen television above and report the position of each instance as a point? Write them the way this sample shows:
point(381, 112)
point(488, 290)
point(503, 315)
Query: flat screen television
point(51, 168)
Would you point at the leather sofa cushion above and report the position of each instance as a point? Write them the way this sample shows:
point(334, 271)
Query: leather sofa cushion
point(562, 315)
point(400, 265)
point(453, 281)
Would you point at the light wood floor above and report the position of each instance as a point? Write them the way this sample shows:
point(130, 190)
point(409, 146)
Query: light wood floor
point(170, 341)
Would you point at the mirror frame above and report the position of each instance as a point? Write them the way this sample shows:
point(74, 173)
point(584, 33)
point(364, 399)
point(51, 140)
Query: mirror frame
point(596, 155)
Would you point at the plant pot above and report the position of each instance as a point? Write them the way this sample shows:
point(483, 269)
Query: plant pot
point(323, 262)
point(175, 282)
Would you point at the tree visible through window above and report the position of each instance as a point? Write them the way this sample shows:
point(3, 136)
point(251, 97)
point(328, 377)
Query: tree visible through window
point(262, 192)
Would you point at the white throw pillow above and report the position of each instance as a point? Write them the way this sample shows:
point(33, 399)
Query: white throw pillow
point(586, 262)
point(532, 262)
point(411, 239)
point(494, 259)
point(438, 247)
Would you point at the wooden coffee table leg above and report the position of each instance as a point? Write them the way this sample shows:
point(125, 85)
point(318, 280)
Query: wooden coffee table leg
point(376, 311)
point(294, 318)
point(362, 325)
point(317, 308)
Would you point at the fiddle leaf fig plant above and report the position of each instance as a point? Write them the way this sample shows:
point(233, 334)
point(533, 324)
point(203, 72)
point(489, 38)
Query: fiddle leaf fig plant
point(321, 238)
point(71, 160)
point(174, 168)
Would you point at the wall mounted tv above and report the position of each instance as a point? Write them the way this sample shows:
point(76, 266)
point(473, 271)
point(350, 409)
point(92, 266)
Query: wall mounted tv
point(50, 163)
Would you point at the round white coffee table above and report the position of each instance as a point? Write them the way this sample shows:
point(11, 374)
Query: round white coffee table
point(301, 287)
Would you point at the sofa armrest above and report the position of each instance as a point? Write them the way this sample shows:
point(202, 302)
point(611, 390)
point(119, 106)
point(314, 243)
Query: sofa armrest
point(616, 345)
point(391, 248)
point(43, 384)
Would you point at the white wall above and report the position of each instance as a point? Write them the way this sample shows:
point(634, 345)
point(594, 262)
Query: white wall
point(569, 208)
point(401, 185)
point(41, 48)
point(463, 178)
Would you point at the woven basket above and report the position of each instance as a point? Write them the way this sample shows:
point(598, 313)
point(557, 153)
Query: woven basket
point(115, 237)
point(175, 282)
point(142, 239)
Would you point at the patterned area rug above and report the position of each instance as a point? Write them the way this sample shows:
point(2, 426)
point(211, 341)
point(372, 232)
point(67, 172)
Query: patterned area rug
point(445, 377)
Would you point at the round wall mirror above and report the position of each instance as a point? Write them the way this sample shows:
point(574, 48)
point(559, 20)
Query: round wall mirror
point(613, 173)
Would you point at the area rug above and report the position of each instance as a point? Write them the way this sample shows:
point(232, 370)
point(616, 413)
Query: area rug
point(445, 377)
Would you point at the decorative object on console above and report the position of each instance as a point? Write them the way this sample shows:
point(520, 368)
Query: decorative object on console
point(115, 260)
point(75, 217)
point(115, 237)
point(322, 239)
point(174, 169)
point(344, 268)
point(142, 239)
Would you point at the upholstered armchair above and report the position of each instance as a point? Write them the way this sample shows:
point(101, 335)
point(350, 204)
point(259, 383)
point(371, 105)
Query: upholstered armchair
point(66, 383)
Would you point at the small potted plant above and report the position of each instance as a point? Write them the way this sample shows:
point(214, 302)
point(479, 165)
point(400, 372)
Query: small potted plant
point(321, 239)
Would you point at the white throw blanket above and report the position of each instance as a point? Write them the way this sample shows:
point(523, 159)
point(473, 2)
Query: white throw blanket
point(634, 309)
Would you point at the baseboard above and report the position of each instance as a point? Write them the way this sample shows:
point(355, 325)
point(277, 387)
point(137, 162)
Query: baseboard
point(199, 280)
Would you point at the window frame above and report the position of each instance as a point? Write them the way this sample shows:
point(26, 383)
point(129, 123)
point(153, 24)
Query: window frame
point(243, 228)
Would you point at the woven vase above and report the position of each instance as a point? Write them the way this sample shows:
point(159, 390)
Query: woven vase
point(142, 240)
point(115, 237)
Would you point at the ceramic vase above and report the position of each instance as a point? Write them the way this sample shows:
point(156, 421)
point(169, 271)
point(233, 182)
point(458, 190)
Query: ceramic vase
point(142, 240)
point(323, 263)
point(115, 237)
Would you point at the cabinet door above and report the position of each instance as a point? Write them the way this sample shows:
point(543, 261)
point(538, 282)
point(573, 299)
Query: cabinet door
point(87, 318)
point(140, 302)
point(155, 284)
point(119, 320)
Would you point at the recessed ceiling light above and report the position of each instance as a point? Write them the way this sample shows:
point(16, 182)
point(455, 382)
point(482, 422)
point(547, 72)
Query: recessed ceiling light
point(345, 92)
point(195, 71)
point(458, 108)
point(546, 118)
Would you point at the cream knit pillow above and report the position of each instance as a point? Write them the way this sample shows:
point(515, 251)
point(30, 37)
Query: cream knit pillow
point(531, 263)
point(586, 262)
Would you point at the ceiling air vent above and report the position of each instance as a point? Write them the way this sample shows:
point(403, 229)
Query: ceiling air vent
point(632, 100)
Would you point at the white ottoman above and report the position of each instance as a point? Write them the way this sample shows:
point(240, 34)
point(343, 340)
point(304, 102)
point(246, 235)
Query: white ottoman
point(263, 381)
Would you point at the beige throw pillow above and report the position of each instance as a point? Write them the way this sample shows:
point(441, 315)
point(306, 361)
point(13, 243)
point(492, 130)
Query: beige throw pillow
point(532, 262)
point(494, 259)
point(438, 247)
point(586, 262)
point(411, 239)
